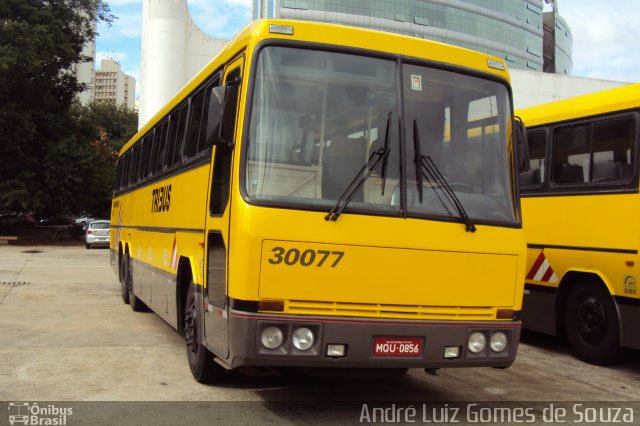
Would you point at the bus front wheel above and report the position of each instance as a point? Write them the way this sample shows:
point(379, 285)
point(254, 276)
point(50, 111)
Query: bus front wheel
point(201, 363)
point(591, 324)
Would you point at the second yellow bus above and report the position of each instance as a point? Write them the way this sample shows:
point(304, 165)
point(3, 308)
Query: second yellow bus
point(581, 213)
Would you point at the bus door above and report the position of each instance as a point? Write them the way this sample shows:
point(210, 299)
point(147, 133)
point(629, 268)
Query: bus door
point(217, 241)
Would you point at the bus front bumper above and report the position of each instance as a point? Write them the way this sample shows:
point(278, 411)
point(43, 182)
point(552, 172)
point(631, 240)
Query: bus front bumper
point(369, 342)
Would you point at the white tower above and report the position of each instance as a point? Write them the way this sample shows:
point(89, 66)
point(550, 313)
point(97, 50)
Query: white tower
point(174, 49)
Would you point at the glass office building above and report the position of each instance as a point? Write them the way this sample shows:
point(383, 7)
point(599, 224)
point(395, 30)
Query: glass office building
point(510, 29)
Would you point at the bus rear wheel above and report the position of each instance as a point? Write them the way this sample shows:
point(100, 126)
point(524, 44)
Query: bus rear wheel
point(125, 279)
point(136, 304)
point(201, 363)
point(591, 324)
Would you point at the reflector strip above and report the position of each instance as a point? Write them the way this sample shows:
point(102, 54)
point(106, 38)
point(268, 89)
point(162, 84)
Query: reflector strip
point(119, 228)
point(174, 254)
point(542, 270)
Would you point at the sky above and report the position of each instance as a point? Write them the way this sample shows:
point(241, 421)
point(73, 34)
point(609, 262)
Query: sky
point(606, 34)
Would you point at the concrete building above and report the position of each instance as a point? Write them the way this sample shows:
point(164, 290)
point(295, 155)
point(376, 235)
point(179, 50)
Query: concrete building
point(535, 88)
point(85, 71)
point(509, 29)
point(174, 49)
point(114, 86)
point(529, 34)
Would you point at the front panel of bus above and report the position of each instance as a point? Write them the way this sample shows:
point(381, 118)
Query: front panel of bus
point(420, 263)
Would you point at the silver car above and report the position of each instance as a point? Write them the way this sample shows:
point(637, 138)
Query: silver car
point(97, 233)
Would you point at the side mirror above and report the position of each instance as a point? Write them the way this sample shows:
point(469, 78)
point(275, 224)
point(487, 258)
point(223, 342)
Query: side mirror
point(522, 144)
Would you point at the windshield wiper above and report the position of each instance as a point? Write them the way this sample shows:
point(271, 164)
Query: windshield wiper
point(425, 166)
point(381, 154)
point(387, 134)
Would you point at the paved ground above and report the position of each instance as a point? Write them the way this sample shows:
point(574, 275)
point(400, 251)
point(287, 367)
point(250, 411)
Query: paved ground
point(65, 335)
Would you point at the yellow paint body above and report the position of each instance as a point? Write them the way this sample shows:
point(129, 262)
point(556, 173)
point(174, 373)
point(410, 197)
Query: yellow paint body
point(374, 266)
point(588, 232)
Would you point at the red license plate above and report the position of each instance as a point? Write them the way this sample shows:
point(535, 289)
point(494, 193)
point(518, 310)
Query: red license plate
point(397, 346)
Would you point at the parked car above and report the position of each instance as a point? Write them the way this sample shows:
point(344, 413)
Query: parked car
point(97, 233)
point(84, 221)
point(8, 219)
point(55, 221)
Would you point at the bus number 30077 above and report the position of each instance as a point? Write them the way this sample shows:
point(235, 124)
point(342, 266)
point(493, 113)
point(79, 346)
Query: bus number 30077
point(308, 257)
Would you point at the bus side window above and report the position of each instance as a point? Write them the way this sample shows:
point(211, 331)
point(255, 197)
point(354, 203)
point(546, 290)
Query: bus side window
point(144, 150)
point(230, 107)
point(195, 119)
point(118, 179)
point(534, 177)
point(162, 145)
point(176, 135)
point(571, 154)
point(613, 149)
point(135, 159)
point(125, 170)
point(153, 140)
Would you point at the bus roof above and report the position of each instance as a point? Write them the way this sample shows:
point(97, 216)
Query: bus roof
point(618, 99)
point(325, 34)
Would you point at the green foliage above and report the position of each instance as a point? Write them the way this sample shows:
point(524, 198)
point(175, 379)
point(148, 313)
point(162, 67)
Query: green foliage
point(55, 157)
point(102, 130)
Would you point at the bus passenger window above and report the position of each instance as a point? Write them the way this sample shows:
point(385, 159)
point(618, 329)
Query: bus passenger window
point(571, 155)
point(195, 121)
point(144, 159)
point(162, 145)
point(537, 153)
point(176, 135)
point(612, 149)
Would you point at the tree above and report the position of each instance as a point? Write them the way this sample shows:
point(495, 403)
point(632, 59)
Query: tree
point(40, 41)
point(104, 128)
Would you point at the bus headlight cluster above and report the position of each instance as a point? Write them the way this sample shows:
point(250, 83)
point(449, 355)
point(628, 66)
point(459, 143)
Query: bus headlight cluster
point(289, 338)
point(477, 342)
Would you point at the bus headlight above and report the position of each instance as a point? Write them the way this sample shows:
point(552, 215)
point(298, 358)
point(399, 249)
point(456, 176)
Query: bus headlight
point(477, 342)
point(302, 338)
point(498, 341)
point(271, 337)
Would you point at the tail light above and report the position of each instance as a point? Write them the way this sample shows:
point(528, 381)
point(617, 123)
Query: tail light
point(90, 232)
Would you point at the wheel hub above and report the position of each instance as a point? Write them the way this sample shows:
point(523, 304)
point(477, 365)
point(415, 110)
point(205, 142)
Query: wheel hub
point(592, 320)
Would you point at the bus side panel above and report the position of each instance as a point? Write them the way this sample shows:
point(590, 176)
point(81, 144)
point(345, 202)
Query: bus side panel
point(578, 234)
point(157, 238)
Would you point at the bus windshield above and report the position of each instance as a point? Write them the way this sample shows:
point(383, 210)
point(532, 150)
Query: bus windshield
point(317, 117)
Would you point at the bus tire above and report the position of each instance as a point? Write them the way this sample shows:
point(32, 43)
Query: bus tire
point(201, 363)
point(125, 279)
point(591, 324)
point(136, 304)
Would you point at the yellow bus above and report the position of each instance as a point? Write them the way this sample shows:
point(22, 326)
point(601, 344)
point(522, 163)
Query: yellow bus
point(325, 196)
point(580, 207)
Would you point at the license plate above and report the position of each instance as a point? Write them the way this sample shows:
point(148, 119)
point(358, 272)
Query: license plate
point(397, 346)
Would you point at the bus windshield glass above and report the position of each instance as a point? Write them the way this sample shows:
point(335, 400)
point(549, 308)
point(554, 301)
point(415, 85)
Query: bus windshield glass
point(317, 117)
point(463, 126)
